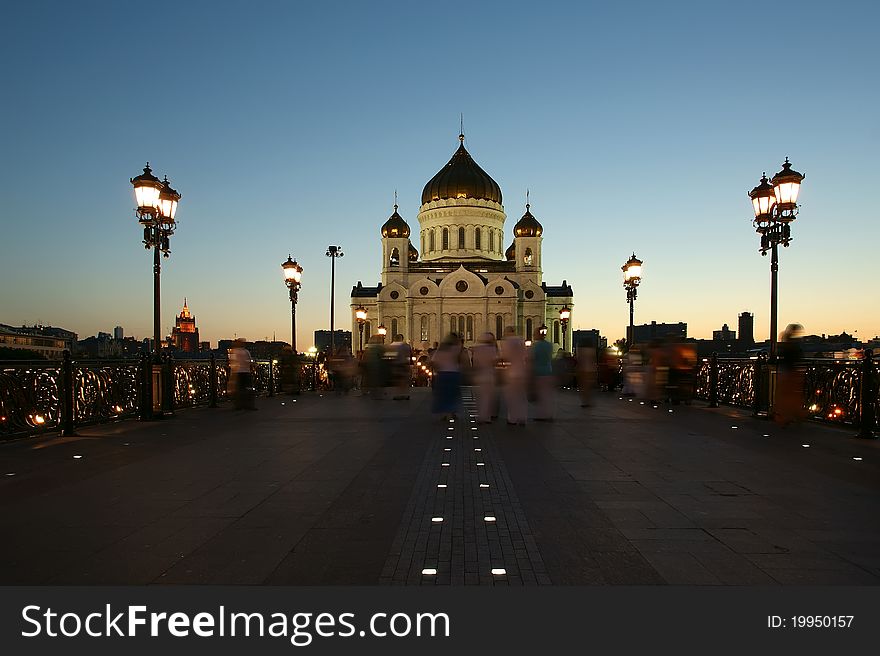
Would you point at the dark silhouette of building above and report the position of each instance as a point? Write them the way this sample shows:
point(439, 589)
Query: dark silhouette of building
point(342, 339)
point(650, 331)
point(747, 328)
point(590, 338)
point(724, 335)
point(185, 334)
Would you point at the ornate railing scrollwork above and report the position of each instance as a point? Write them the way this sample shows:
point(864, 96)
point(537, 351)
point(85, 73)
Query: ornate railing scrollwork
point(30, 398)
point(832, 389)
point(106, 390)
point(736, 381)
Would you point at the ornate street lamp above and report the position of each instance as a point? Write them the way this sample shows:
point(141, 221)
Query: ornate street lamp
point(632, 277)
point(564, 316)
point(775, 206)
point(156, 208)
point(292, 277)
point(382, 330)
point(333, 252)
point(543, 330)
point(360, 314)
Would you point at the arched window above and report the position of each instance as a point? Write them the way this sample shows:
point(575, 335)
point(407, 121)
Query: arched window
point(424, 329)
point(499, 326)
point(394, 260)
point(367, 331)
point(478, 239)
point(556, 332)
point(453, 326)
point(423, 242)
point(432, 240)
point(491, 241)
point(445, 239)
point(469, 332)
point(393, 329)
point(461, 237)
point(529, 329)
point(527, 258)
point(461, 326)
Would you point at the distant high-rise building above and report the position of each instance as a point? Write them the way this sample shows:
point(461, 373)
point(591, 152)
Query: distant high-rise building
point(185, 335)
point(747, 328)
point(649, 331)
point(725, 334)
point(118, 333)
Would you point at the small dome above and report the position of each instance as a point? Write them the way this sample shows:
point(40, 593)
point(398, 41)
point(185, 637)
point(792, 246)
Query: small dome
point(395, 226)
point(510, 253)
point(527, 226)
point(462, 177)
point(413, 253)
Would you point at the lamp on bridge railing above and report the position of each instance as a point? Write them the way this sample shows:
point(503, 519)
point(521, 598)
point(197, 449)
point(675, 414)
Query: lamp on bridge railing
point(292, 277)
point(632, 277)
point(156, 208)
point(774, 203)
point(361, 315)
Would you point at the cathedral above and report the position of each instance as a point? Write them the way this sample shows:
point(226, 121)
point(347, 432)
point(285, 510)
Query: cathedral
point(465, 281)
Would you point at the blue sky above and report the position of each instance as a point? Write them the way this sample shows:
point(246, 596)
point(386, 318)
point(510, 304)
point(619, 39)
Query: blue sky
point(288, 126)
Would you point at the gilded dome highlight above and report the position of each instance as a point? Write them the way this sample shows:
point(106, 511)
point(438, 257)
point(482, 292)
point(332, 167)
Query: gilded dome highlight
point(527, 226)
point(462, 177)
point(395, 226)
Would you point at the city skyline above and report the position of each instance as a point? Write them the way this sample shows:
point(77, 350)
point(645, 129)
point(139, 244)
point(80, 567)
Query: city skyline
point(288, 129)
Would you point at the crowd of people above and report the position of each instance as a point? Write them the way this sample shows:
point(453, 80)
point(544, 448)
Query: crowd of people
point(513, 374)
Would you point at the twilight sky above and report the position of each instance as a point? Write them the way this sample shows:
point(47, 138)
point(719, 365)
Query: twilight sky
point(287, 126)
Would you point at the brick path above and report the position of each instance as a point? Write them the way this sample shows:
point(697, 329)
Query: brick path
point(344, 490)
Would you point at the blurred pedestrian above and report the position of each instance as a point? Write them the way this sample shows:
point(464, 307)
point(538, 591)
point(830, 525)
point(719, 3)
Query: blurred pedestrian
point(446, 363)
point(374, 365)
point(485, 357)
point(587, 370)
point(788, 406)
point(513, 353)
point(542, 374)
point(401, 367)
point(240, 373)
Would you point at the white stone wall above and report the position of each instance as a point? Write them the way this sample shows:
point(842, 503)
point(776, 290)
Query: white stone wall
point(467, 214)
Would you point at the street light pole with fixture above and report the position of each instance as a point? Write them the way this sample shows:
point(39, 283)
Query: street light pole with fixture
point(775, 206)
point(292, 278)
point(632, 277)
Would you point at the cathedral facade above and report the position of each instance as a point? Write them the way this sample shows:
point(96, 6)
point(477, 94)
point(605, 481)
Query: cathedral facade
point(464, 281)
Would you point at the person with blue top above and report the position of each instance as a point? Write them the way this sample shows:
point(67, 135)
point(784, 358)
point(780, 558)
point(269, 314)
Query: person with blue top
point(542, 372)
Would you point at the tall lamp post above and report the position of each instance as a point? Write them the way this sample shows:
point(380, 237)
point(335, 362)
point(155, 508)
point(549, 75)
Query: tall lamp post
point(333, 252)
point(632, 277)
point(564, 316)
point(775, 207)
point(361, 315)
point(292, 277)
point(156, 209)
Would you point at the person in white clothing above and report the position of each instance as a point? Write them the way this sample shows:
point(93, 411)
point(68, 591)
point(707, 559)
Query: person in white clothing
point(485, 357)
point(513, 353)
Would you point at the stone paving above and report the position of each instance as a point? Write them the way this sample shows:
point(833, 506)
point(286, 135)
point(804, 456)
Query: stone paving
point(324, 489)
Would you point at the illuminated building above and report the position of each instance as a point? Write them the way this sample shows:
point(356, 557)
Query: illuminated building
point(464, 281)
point(185, 334)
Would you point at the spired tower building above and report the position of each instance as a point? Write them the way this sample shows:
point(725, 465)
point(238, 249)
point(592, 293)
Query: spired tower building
point(465, 280)
point(185, 334)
